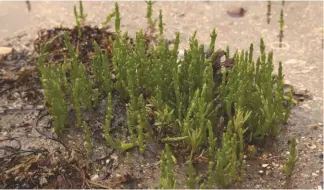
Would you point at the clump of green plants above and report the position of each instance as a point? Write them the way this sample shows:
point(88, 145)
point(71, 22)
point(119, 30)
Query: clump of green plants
point(54, 83)
point(291, 159)
point(79, 17)
point(190, 105)
point(251, 86)
point(193, 180)
point(167, 179)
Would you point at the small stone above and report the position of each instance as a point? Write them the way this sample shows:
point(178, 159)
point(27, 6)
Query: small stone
point(94, 177)
point(301, 91)
point(275, 164)
point(16, 95)
point(2, 109)
point(264, 165)
point(236, 12)
point(314, 174)
point(40, 107)
point(114, 157)
point(261, 171)
point(317, 171)
point(311, 146)
point(287, 82)
point(42, 181)
point(5, 51)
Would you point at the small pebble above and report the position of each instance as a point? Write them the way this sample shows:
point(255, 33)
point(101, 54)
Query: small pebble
point(16, 95)
point(5, 133)
point(311, 146)
point(261, 171)
point(42, 181)
point(5, 50)
point(314, 174)
point(275, 164)
point(94, 177)
point(115, 157)
point(264, 165)
point(2, 109)
point(287, 82)
point(236, 12)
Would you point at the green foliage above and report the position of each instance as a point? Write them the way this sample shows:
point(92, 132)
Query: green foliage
point(150, 21)
point(161, 23)
point(117, 18)
point(291, 159)
point(251, 87)
point(55, 96)
point(230, 157)
point(79, 17)
point(53, 81)
point(187, 106)
point(192, 181)
point(281, 21)
point(87, 134)
point(167, 178)
point(108, 18)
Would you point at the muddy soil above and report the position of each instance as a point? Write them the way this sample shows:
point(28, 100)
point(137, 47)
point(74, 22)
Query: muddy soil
point(32, 156)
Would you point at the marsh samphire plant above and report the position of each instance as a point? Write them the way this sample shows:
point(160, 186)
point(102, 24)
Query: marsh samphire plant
point(197, 103)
